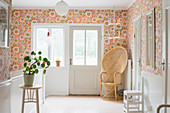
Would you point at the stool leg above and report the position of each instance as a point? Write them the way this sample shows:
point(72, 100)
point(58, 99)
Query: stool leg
point(37, 98)
point(23, 100)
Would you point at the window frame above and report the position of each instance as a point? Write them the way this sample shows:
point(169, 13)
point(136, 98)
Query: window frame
point(34, 40)
point(98, 28)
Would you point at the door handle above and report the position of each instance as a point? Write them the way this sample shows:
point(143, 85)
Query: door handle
point(70, 61)
point(138, 60)
point(163, 64)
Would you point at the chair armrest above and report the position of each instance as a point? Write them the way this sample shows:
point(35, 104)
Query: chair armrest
point(117, 78)
point(101, 74)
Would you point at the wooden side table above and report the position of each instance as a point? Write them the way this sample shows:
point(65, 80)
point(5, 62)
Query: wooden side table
point(30, 91)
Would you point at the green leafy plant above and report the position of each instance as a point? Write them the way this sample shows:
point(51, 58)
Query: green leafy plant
point(34, 63)
point(58, 59)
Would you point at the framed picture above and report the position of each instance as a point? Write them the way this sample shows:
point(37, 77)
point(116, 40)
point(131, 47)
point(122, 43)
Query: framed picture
point(4, 24)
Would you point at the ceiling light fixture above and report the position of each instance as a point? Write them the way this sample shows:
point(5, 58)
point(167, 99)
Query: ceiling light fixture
point(61, 8)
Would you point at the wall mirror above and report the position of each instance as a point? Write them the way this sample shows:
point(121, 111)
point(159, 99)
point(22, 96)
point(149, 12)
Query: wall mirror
point(4, 24)
point(150, 38)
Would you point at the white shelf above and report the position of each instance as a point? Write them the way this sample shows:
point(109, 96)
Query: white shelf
point(115, 24)
point(113, 37)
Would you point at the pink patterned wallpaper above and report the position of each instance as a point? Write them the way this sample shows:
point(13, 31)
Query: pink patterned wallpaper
point(21, 28)
point(5, 59)
point(4, 64)
point(142, 7)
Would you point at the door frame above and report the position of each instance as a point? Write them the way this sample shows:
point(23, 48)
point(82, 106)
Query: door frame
point(66, 58)
point(165, 50)
point(101, 45)
point(66, 92)
point(136, 80)
point(166, 6)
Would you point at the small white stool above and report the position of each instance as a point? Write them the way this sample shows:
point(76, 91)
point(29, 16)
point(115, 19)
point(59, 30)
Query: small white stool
point(133, 101)
point(30, 95)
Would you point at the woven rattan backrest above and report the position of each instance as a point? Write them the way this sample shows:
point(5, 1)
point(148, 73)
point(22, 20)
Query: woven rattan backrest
point(115, 60)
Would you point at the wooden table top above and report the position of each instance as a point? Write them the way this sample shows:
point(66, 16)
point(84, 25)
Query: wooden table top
point(30, 87)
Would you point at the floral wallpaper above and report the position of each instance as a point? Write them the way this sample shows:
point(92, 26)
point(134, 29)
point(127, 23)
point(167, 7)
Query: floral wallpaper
point(4, 64)
point(142, 7)
point(5, 59)
point(21, 28)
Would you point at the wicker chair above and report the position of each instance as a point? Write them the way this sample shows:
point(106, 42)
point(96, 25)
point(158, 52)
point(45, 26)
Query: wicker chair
point(113, 63)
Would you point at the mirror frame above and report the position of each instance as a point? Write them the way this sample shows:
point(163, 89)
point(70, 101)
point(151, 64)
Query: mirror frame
point(7, 7)
point(152, 66)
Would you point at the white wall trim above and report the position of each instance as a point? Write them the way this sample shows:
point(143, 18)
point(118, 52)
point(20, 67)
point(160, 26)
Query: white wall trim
point(16, 73)
point(80, 8)
point(16, 77)
point(5, 83)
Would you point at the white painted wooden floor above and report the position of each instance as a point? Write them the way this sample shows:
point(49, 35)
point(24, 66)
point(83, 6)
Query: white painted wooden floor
point(80, 104)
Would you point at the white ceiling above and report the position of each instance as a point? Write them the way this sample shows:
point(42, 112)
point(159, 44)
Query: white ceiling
point(96, 4)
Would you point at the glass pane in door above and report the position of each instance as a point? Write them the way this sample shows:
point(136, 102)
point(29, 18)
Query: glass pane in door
point(91, 47)
point(58, 45)
point(42, 41)
point(78, 47)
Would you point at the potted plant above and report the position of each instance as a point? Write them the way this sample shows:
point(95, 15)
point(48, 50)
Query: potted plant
point(32, 66)
point(58, 62)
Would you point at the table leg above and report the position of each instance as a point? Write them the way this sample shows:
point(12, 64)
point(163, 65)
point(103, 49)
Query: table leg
point(23, 100)
point(37, 98)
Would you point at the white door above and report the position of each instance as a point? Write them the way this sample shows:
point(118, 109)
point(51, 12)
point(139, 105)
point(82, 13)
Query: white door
point(168, 35)
point(84, 60)
point(136, 85)
point(166, 56)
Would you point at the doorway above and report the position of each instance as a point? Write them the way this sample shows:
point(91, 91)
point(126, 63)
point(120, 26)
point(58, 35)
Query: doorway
point(82, 76)
point(85, 59)
point(136, 78)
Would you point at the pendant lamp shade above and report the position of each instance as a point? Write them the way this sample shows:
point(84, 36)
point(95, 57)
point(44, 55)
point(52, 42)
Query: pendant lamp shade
point(61, 8)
